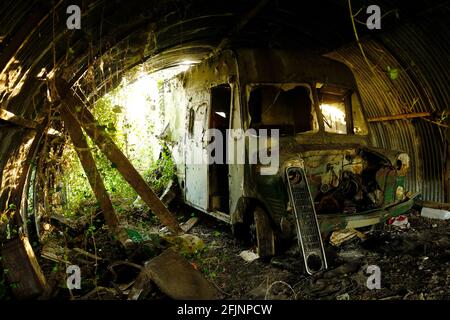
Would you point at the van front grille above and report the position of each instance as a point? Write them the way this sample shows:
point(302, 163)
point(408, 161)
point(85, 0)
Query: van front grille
point(308, 232)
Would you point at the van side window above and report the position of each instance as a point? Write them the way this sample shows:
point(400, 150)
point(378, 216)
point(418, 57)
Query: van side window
point(341, 109)
point(284, 107)
point(333, 107)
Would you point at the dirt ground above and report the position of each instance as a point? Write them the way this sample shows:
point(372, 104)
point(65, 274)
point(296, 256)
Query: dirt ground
point(414, 263)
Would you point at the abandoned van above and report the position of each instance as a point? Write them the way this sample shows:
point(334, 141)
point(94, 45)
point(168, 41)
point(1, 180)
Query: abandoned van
point(296, 121)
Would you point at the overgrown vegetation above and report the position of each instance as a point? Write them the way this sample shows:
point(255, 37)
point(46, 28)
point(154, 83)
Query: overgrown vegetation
point(137, 142)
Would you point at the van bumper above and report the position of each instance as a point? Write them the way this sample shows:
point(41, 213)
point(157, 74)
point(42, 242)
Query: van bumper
point(332, 222)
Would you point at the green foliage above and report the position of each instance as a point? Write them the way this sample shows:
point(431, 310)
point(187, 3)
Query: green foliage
point(79, 192)
point(161, 172)
point(393, 73)
point(132, 128)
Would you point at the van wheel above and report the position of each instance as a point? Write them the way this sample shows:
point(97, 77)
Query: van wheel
point(263, 232)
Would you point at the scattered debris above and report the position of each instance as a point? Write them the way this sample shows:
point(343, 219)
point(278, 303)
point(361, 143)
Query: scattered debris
point(188, 225)
point(86, 254)
point(339, 237)
point(141, 286)
point(435, 213)
point(249, 255)
point(344, 296)
point(169, 193)
point(400, 221)
point(352, 254)
point(185, 243)
point(53, 252)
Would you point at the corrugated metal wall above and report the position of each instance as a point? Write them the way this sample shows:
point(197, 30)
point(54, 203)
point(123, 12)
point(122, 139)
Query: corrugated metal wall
point(420, 53)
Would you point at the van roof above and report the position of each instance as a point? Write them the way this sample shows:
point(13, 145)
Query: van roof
point(284, 66)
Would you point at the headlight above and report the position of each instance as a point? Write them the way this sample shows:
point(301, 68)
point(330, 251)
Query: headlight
point(294, 176)
point(402, 164)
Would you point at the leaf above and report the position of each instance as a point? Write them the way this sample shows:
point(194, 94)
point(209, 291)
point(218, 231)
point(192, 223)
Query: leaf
point(117, 109)
point(393, 73)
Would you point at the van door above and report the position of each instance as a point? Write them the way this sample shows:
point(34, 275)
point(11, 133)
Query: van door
point(219, 120)
point(196, 180)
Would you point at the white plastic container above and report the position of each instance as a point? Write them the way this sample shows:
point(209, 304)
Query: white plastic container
point(435, 213)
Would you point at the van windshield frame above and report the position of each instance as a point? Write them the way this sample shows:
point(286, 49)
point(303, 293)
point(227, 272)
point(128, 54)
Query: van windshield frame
point(274, 111)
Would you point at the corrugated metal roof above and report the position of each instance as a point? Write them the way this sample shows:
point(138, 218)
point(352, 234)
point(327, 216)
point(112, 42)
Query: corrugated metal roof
point(420, 52)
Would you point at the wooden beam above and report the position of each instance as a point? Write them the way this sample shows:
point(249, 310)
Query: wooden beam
point(116, 156)
point(26, 170)
point(10, 117)
point(433, 205)
point(89, 166)
point(400, 116)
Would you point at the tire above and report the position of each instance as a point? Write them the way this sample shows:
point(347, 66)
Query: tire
point(265, 237)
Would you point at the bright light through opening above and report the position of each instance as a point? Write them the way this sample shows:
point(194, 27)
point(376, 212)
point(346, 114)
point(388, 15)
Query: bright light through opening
point(334, 117)
point(222, 114)
point(138, 103)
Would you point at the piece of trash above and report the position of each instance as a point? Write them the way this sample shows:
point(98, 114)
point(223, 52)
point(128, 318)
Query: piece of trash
point(249, 255)
point(139, 203)
point(53, 252)
point(188, 225)
point(169, 193)
point(186, 243)
point(435, 213)
point(339, 237)
point(86, 254)
point(141, 286)
point(400, 221)
point(344, 296)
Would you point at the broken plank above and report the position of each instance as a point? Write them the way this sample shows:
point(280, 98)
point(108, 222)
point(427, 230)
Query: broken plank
point(400, 116)
point(433, 205)
point(87, 254)
point(116, 156)
point(53, 252)
point(188, 225)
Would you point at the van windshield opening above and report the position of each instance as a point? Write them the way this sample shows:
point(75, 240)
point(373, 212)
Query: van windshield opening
point(285, 107)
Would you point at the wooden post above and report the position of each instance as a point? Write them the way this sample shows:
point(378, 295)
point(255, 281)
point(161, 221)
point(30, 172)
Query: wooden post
point(116, 156)
point(88, 163)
